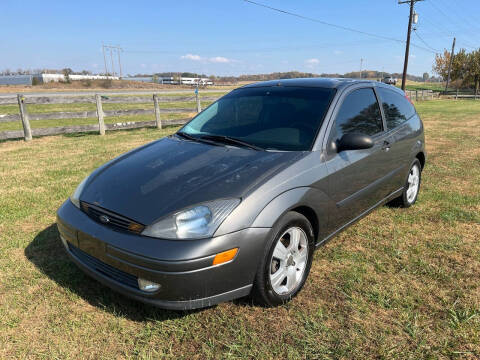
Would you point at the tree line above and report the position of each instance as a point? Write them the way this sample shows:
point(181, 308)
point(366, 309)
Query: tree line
point(465, 71)
point(68, 71)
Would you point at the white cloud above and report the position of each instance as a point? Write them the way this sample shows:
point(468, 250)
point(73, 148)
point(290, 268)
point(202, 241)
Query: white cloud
point(219, 59)
point(338, 52)
point(143, 66)
point(215, 59)
point(312, 62)
point(191, 57)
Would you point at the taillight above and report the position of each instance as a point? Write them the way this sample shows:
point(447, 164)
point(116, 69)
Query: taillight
point(409, 100)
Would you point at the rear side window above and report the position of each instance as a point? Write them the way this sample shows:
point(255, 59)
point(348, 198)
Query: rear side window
point(396, 107)
point(360, 113)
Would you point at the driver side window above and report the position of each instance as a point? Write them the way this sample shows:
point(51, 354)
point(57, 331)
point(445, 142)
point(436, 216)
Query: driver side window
point(359, 113)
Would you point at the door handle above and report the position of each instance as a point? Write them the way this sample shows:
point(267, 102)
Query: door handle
point(386, 146)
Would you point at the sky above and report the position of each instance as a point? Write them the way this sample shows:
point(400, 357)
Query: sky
point(231, 37)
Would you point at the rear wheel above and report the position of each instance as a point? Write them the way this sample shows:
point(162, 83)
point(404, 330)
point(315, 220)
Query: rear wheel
point(412, 186)
point(286, 262)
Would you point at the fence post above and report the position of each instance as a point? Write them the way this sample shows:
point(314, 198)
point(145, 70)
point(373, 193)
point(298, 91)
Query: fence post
point(27, 131)
point(416, 95)
point(101, 123)
point(456, 95)
point(157, 111)
point(197, 96)
point(423, 94)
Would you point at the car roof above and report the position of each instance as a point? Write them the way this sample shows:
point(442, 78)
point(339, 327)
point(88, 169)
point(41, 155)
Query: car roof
point(332, 83)
point(329, 83)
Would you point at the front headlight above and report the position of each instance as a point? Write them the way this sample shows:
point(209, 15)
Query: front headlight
point(75, 197)
point(197, 222)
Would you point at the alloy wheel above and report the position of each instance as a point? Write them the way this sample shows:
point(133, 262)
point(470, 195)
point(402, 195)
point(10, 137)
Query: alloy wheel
point(413, 183)
point(289, 260)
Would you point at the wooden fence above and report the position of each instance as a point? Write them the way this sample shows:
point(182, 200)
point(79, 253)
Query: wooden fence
point(25, 117)
point(418, 95)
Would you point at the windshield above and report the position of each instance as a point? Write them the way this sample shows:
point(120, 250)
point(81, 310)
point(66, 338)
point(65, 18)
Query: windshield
point(276, 118)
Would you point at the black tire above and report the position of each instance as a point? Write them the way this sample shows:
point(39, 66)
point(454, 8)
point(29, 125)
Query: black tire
point(402, 200)
point(263, 292)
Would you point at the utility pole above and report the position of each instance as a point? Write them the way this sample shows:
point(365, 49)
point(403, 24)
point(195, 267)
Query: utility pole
point(112, 48)
point(119, 62)
point(450, 65)
point(111, 57)
point(409, 33)
point(104, 59)
point(361, 65)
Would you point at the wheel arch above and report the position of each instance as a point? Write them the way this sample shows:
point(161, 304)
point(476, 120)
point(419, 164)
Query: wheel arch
point(309, 202)
point(421, 157)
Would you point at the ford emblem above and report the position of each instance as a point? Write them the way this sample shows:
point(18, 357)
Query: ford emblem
point(104, 219)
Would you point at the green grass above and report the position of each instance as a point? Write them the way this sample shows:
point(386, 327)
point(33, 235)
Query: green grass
point(424, 86)
point(400, 284)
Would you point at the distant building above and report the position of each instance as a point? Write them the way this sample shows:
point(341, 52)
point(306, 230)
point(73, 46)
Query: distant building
point(46, 78)
point(172, 80)
point(16, 79)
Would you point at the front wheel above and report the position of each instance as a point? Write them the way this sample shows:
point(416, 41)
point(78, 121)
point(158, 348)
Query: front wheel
point(286, 262)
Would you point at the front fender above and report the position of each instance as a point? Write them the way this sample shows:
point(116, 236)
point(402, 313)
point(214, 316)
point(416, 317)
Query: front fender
point(309, 197)
point(282, 204)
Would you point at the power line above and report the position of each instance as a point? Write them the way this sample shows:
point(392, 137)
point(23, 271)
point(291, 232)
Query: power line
point(460, 18)
point(424, 42)
point(449, 19)
point(324, 22)
point(332, 25)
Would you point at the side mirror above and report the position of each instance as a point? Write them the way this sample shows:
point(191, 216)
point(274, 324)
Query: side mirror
point(354, 142)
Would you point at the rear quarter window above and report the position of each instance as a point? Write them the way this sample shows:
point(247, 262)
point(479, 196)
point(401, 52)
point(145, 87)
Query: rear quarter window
point(359, 113)
point(396, 107)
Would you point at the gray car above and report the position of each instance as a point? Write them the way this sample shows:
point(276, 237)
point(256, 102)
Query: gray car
point(236, 201)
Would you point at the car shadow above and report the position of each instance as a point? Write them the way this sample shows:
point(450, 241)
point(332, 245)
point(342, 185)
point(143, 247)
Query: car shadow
point(47, 253)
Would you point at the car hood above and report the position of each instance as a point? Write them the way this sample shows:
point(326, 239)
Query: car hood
point(170, 174)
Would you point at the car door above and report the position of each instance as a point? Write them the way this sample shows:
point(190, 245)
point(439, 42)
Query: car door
point(400, 127)
point(355, 176)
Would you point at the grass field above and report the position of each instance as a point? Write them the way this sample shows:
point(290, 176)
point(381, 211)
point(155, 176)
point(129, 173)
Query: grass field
point(400, 284)
point(413, 85)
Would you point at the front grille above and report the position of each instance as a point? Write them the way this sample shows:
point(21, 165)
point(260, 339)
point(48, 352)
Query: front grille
point(110, 219)
point(103, 268)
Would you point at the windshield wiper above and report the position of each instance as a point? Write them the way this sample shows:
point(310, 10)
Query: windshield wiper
point(185, 135)
point(195, 138)
point(232, 141)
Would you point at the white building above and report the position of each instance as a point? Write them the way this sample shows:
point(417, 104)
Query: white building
point(46, 78)
point(173, 80)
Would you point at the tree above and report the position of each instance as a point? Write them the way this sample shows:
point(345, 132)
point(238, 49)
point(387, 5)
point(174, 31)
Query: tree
point(460, 67)
point(440, 66)
point(474, 67)
point(465, 67)
point(66, 73)
point(425, 76)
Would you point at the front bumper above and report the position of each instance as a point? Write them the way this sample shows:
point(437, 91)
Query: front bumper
point(183, 268)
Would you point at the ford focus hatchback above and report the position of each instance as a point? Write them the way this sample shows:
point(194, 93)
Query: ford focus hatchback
point(236, 201)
